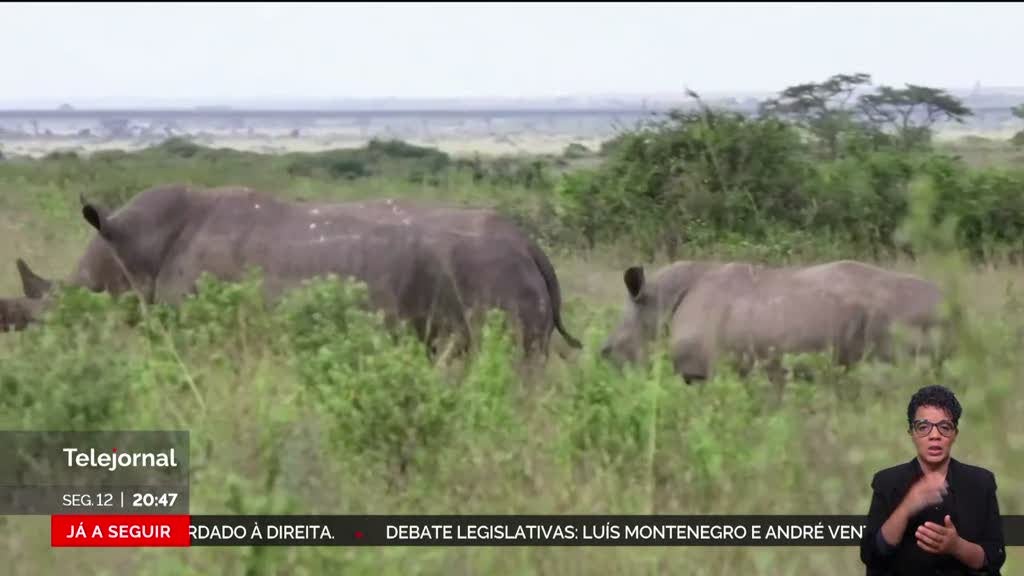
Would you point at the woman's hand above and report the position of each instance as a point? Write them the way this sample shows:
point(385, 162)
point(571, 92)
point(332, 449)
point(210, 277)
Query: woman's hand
point(926, 492)
point(937, 539)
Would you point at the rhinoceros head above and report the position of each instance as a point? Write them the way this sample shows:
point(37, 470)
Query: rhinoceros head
point(639, 323)
point(137, 237)
point(650, 305)
point(97, 270)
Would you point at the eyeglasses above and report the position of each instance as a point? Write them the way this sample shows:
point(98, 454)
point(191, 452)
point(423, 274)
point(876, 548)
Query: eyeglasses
point(924, 427)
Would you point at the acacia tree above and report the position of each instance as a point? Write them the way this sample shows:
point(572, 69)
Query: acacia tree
point(911, 112)
point(822, 108)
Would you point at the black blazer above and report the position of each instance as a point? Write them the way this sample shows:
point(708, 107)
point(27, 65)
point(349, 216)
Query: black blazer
point(971, 504)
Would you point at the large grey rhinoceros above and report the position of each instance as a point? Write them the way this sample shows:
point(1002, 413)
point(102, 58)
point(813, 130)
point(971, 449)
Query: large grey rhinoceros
point(429, 265)
point(752, 312)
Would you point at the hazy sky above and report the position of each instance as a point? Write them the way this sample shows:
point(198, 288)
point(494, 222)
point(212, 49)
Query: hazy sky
point(233, 52)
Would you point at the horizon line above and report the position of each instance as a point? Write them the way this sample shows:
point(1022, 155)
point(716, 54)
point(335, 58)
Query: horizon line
point(674, 95)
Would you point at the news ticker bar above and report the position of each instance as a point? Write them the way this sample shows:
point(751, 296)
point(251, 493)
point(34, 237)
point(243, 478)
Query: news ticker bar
point(203, 530)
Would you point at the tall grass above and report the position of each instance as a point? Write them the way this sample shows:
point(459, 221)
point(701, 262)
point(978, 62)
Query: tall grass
point(312, 407)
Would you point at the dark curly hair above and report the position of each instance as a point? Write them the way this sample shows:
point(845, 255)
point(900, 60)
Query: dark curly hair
point(937, 396)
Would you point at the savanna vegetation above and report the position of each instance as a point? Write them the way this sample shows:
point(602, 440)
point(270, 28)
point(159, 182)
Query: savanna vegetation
point(311, 407)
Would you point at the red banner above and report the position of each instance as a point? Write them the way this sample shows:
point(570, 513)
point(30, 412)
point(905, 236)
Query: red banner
point(133, 530)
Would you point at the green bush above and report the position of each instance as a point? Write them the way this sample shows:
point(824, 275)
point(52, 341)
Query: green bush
point(379, 387)
point(413, 163)
point(712, 178)
point(576, 150)
point(68, 374)
point(691, 173)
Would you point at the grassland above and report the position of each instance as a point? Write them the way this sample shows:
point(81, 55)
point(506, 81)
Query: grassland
point(283, 422)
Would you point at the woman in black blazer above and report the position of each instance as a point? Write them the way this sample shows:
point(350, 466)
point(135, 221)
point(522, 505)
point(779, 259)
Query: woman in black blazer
point(933, 515)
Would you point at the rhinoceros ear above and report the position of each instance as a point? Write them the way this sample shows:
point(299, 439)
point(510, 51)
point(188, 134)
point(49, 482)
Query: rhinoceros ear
point(634, 278)
point(96, 218)
point(33, 285)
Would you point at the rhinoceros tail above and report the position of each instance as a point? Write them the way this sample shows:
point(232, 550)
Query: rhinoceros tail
point(551, 280)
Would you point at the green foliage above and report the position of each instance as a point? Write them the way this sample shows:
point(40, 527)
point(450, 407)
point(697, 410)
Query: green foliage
point(716, 180)
point(1017, 139)
point(581, 206)
point(692, 172)
point(415, 163)
point(607, 414)
point(219, 321)
point(379, 387)
point(178, 147)
point(861, 199)
point(63, 377)
point(576, 150)
point(487, 392)
point(334, 164)
point(530, 174)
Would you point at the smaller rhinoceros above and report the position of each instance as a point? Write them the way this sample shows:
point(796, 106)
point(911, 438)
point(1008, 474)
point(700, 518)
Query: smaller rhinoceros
point(709, 310)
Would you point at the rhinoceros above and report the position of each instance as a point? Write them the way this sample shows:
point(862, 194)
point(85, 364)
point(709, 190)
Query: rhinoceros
point(710, 309)
point(432, 266)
